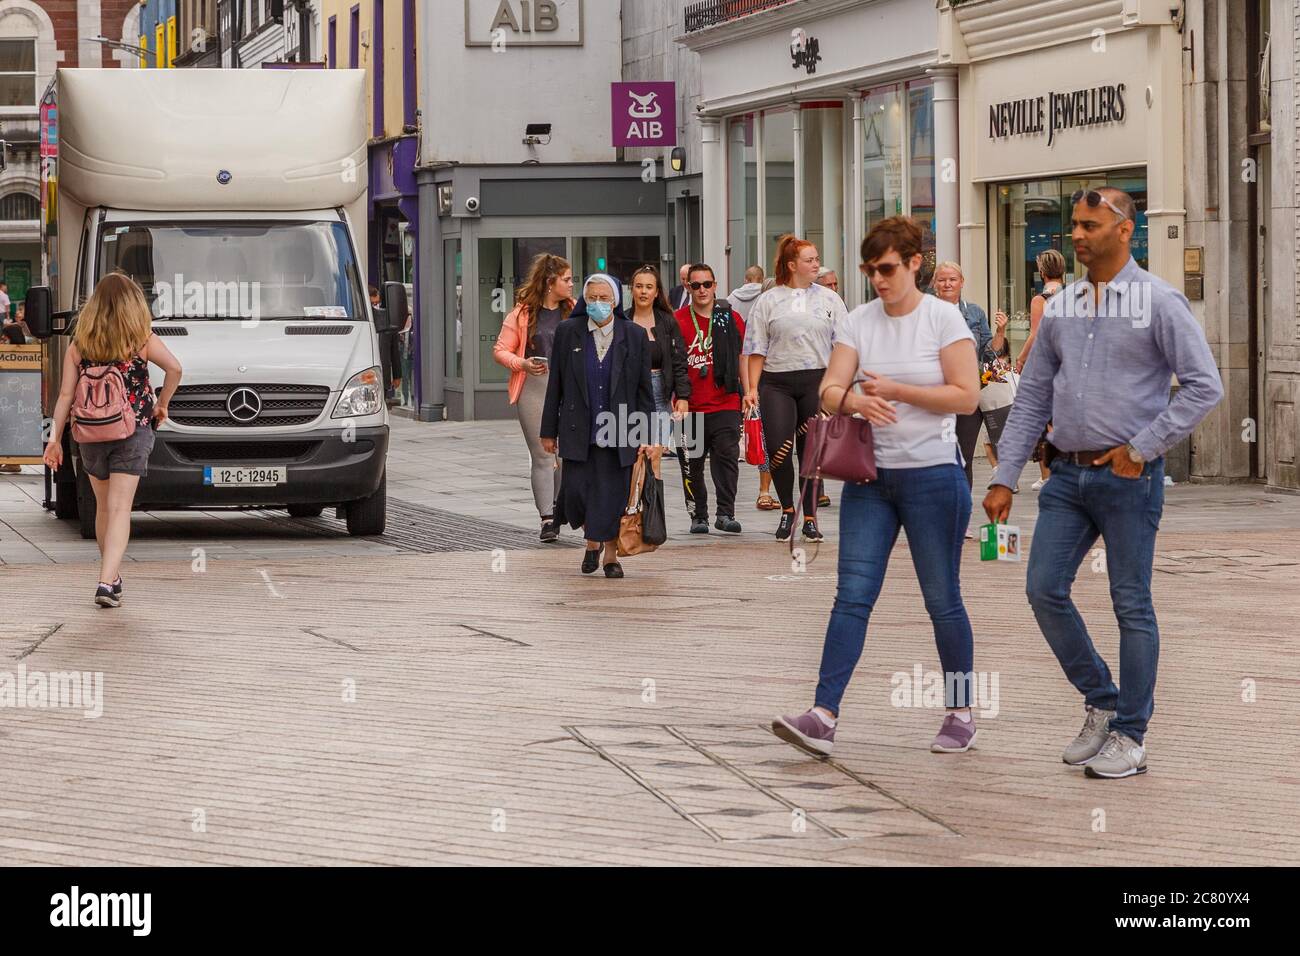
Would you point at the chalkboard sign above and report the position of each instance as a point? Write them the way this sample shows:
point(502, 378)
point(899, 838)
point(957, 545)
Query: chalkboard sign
point(20, 405)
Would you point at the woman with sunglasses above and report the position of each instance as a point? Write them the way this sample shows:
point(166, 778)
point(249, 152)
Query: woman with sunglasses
point(787, 345)
point(917, 356)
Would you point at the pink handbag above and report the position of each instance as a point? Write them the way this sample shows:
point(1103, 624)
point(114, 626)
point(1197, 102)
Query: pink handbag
point(100, 409)
point(836, 446)
point(839, 446)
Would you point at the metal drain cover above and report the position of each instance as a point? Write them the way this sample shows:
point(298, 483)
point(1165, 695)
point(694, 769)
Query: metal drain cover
point(739, 782)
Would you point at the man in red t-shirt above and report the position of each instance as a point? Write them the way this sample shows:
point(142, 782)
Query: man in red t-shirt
point(714, 334)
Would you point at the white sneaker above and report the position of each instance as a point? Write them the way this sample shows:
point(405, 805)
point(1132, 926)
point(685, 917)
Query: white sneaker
point(970, 535)
point(1038, 485)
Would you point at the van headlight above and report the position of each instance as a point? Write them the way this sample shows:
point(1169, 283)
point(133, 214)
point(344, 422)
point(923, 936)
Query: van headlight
point(362, 395)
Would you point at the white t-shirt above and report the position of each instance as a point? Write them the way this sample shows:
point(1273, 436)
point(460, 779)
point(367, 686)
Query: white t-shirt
point(906, 348)
point(793, 328)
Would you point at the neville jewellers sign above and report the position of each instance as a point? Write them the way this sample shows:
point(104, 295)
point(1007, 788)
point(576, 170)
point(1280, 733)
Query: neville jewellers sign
point(1056, 112)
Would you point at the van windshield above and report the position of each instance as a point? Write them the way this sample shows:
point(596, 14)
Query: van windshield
point(214, 271)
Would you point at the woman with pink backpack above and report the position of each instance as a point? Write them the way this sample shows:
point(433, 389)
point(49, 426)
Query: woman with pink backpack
point(113, 410)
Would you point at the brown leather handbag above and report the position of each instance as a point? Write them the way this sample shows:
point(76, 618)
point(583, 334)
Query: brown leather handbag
point(631, 527)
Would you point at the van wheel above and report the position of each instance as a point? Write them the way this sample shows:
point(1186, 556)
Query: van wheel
point(369, 516)
point(86, 506)
point(305, 511)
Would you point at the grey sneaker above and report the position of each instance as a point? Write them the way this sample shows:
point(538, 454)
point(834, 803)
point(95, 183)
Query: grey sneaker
point(1085, 746)
point(1120, 756)
point(807, 732)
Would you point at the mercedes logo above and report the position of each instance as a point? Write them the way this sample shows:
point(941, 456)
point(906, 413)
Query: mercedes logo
point(244, 405)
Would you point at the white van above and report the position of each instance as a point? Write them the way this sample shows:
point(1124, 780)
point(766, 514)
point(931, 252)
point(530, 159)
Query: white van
point(237, 199)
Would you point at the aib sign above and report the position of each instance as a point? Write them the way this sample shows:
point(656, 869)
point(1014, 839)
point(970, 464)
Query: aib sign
point(645, 114)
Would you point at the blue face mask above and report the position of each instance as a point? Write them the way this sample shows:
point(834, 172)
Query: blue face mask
point(599, 312)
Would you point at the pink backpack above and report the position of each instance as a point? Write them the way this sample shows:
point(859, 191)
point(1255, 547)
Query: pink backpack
point(100, 408)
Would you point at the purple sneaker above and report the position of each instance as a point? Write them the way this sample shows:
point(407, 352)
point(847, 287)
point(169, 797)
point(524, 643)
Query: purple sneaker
point(807, 732)
point(955, 736)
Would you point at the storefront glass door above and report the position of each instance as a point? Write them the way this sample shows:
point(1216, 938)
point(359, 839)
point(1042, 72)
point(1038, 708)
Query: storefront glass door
point(502, 267)
point(778, 181)
point(1034, 217)
point(898, 162)
point(742, 198)
point(823, 181)
point(620, 256)
point(452, 279)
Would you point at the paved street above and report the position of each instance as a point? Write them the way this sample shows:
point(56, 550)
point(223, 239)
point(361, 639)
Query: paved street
point(457, 694)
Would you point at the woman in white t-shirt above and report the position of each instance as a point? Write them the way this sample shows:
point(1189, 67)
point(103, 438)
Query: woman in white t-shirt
point(788, 340)
point(918, 358)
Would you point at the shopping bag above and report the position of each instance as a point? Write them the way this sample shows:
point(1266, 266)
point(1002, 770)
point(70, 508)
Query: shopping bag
point(755, 446)
point(999, 394)
point(631, 534)
point(654, 523)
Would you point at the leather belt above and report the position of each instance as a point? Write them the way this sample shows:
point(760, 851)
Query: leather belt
point(1085, 459)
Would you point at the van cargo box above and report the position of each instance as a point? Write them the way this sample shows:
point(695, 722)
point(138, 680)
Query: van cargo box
point(199, 140)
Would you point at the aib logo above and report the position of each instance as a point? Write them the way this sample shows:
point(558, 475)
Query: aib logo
point(805, 51)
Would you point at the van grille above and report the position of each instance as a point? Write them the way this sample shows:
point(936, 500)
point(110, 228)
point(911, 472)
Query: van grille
point(226, 452)
point(207, 405)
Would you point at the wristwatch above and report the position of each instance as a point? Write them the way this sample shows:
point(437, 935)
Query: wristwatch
point(1135, 456)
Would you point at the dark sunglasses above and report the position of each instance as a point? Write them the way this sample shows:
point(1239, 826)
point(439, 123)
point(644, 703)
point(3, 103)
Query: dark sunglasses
point(696, 286)
point(1095, 199)
point(886, 269)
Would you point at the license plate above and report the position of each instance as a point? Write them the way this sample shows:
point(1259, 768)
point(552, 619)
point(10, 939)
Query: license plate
point(240, 477)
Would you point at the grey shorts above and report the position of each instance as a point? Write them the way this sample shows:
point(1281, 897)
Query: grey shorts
point(127, 456)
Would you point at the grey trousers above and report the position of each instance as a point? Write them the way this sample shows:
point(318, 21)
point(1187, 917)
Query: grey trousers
point(546, 468)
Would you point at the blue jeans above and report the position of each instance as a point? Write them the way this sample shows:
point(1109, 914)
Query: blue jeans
point(933, 505)
point(1075, 507)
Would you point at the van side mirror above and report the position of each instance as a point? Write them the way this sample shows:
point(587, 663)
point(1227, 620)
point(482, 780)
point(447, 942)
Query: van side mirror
point(397, 307)
point(38, 311)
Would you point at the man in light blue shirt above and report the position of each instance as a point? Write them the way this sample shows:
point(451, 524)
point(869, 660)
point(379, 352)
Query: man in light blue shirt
point(1100, 372)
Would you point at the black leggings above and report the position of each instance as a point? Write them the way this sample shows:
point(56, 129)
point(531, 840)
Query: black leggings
point(787, 402)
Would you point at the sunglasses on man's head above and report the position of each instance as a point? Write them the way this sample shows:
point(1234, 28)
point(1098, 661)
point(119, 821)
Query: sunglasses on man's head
point(697, 286)
point(1095, 199)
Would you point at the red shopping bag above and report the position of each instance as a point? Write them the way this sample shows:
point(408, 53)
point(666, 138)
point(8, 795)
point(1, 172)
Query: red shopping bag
point(755, 447)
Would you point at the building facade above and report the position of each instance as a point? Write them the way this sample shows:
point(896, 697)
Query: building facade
point(380, 37)
point(821, 117)
point(36, 39)
point(1188, 107)
point(517, 158)
point(651, 53)
point(1088, 98)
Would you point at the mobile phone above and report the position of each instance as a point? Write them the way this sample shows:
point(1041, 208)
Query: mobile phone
point(542, 358)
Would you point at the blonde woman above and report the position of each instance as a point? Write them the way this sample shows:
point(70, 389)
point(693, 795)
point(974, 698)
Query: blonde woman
point(114, 328)
point(524, 347)
point(1051, 266)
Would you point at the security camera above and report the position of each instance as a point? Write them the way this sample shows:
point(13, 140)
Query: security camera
point(471, 204)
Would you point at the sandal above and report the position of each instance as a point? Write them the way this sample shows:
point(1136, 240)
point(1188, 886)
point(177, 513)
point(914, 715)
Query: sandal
point(767, 503)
